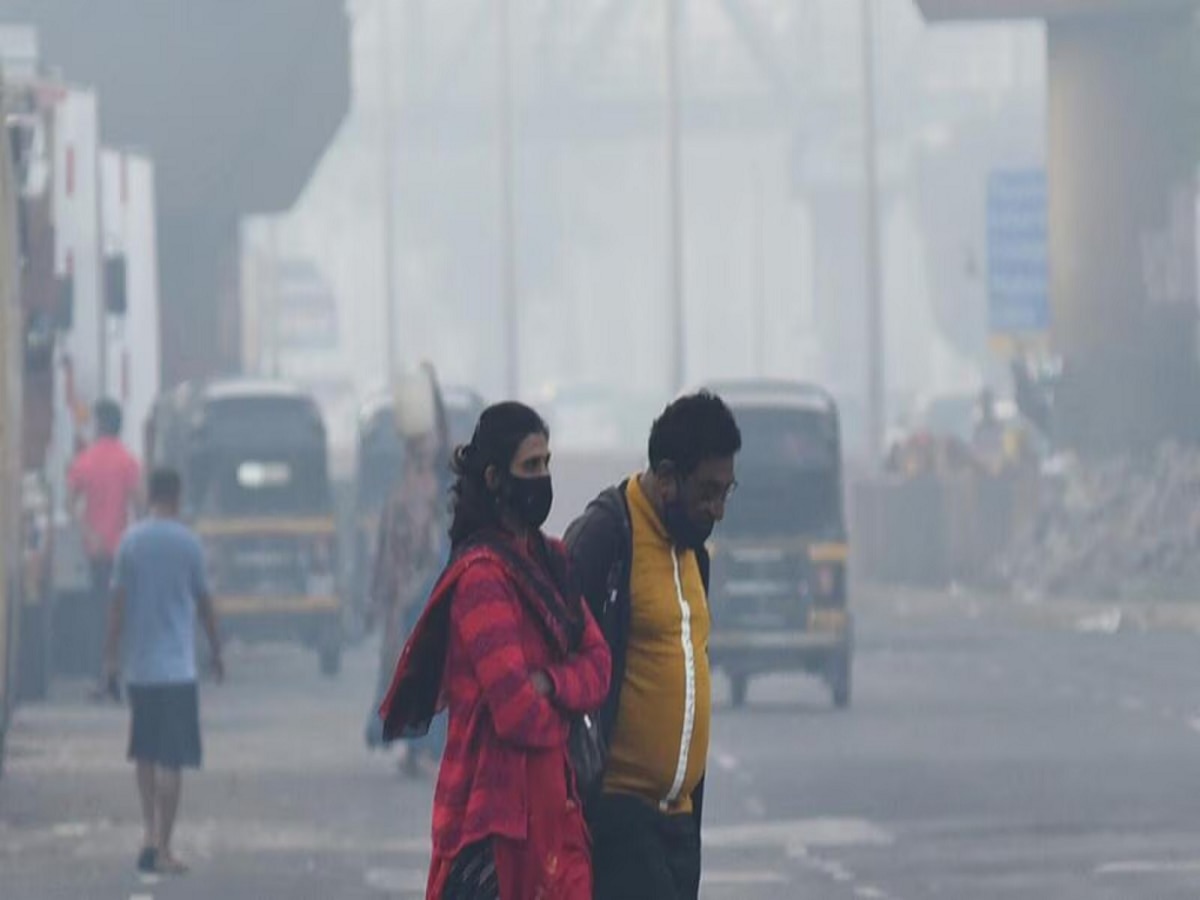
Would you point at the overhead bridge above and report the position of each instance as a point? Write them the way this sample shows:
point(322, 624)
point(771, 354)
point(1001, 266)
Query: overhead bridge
point(1121, 166)
point(236, 100)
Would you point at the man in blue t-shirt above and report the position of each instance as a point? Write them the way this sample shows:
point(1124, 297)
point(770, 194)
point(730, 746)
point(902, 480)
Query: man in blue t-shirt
point(159, 586)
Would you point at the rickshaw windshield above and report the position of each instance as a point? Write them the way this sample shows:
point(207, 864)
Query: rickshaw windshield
point(258, 484)
point(789, 474)
point(259, 456)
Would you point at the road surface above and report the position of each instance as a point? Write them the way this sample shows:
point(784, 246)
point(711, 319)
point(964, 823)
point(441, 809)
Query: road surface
point(983, 758)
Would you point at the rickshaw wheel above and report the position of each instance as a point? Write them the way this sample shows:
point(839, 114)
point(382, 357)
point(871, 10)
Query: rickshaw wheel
point(331, 661)
point(841, 681)
point(739, 687)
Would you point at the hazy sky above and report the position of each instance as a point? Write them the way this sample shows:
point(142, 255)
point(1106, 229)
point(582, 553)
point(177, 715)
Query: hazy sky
point(773, 250)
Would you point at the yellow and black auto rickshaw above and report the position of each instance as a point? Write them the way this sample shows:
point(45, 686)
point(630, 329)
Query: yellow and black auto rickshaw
point(256, 488)
point(779, 580)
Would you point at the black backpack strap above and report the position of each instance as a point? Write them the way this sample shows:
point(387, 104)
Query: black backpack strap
point(601, 547)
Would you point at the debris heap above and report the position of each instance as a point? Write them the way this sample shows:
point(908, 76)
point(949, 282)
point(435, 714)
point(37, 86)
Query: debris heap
point(1128, 528)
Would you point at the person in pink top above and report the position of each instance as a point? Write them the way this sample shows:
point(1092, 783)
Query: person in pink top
point(105, 492)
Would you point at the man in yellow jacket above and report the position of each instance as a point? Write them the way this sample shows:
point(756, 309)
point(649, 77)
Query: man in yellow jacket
point(639, 552)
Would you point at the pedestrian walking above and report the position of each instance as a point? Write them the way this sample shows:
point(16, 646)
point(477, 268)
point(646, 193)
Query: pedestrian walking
point(639, 553)
point(512, 652)
point(104, 484)
point(159, 590)
point(413, 548)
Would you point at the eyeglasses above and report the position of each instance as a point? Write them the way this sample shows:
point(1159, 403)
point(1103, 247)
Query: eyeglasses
point(715, 493)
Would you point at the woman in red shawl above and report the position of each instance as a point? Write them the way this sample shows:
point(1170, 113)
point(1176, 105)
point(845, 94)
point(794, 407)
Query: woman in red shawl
point(513, 653)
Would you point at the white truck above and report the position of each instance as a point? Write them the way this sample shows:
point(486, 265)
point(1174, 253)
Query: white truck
point(89, 213)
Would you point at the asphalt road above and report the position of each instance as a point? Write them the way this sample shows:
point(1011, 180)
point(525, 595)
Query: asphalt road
point(982, 759)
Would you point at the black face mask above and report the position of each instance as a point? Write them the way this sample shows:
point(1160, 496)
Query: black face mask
point(684, 532)
point(531, 499)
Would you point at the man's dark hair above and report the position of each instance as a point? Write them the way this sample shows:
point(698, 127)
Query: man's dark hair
point(166, 488)
point(692, 429)
point(108, 418)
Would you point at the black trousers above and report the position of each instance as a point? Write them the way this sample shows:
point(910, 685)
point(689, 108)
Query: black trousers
point(101, 571)
point(639, 853)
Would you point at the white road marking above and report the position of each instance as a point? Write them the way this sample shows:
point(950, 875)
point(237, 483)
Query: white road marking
point(798, 838)
point(732, 877)
point(1194, 724)
point(70, 829)
point(1150, 867)
point(392, 880)
point(141, 897)
point(726, 761)
point(799, 832)
point(832, 869)
point(102, 839)
point(1107, 623)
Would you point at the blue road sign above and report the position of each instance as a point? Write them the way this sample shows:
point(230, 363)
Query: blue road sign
point(1018, 253)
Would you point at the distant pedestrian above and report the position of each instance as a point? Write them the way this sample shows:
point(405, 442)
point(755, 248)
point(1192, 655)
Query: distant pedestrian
point(987, 437)
point(639, 553)
point(159, 588)
point(511, 650)
point(413, 548)
point(105, 491)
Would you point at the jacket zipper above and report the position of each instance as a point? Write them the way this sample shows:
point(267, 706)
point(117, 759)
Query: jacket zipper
point(689, 706)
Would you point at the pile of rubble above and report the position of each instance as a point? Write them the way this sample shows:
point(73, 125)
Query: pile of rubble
point(1128, 528)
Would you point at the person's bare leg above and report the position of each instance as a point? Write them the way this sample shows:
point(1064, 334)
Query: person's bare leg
point(146, 783)
point(169, 787)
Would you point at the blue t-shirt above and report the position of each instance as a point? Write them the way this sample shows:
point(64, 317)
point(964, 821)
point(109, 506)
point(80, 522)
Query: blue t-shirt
point(160, 566)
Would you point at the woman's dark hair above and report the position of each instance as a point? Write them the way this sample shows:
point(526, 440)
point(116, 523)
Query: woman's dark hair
point(499, 433)
point(693, 429)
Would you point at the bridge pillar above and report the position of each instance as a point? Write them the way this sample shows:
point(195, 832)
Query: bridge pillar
point(1122, 160)
point(1121, 164)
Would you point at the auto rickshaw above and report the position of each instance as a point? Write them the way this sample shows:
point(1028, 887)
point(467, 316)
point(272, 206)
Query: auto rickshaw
point(779, 593)
point(257, 490)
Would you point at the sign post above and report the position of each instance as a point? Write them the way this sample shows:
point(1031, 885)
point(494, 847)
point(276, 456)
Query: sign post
point(1018, 259)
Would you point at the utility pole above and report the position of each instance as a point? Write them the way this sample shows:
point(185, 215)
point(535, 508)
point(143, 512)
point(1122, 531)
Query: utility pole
point(508, 278)
point(677, 316)
point(271, 319)
point(876, 362)
point(758, 262)
point(388, 194)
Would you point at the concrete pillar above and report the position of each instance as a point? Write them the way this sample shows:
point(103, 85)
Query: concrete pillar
point(1122, 245)
point(198, 261)
point(1119, 173)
